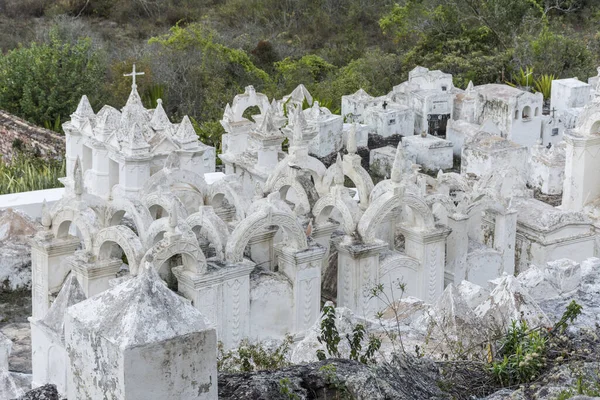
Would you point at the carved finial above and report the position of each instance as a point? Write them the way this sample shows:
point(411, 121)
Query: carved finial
point(133, 74)
point(351, 142)
point(338, 178)
point(46, 218)
point(78, 178)
point(470, 87)
point(398, 164)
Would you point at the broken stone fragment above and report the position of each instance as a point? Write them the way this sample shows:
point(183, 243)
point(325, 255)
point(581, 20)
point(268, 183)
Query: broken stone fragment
point(508, 302)
point(472, 293)
point(539, 284)
point(565, 273)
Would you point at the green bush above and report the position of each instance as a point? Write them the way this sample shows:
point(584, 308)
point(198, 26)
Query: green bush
point(44, 82)
point(522, 352)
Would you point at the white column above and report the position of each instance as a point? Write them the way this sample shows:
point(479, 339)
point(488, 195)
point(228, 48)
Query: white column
point(430, 249)
point(49, 269)
point(457, 248)
point(262, 251)
point(303, 268)
point(93, 276)
point(505, 234)
point(582, 180)
point(358, 273)
point(223, 296)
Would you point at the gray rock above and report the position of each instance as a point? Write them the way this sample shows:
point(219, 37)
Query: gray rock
point(402, 379)
point(46, 392)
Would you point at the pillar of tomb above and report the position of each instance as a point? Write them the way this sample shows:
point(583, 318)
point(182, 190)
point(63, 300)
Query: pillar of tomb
point(97, 178)
point(358, 273)
point(505, 234)
point(93, 275)
point(49, 268)
point(429, 248)
point(223, 295)
point(321, 234)
point(457, 248)
point(303, 268)
point(262, 251)
point(582, 181)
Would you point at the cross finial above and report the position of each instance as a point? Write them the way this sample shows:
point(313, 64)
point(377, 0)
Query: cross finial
point(133, 74)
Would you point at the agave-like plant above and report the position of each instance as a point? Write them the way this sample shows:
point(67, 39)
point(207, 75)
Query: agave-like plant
point(543, 84)
point(524, 78)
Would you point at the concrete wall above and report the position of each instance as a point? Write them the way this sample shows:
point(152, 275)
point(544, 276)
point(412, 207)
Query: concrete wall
point(49, 144)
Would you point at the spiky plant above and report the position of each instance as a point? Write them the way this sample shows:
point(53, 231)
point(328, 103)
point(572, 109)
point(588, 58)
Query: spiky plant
point(543, 84)
point(523, 78)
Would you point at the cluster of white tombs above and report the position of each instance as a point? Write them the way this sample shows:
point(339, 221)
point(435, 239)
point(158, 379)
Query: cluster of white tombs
point(151, 256)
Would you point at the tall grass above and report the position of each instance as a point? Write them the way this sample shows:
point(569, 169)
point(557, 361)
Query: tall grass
point(24, 174)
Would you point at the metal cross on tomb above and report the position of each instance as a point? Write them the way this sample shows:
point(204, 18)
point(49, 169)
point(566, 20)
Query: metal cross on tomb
point(133, 74)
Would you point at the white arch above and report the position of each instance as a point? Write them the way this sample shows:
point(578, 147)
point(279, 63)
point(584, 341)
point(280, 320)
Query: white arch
point(212, 228)
point(255, 223)
point(125, 238)
point(166, 200)
point(358, 175)
point(307, 163)
point(349, 214)
point(168, 177)
point(134, 208)
point(85, 220)
point(384, 204)
point(193, 257)
point(230, 190)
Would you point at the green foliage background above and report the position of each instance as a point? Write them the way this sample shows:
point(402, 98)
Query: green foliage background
point(197, 55)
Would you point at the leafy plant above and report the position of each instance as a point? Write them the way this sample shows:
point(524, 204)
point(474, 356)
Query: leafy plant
point(523, 350)
point(334, 382)
point(331, 338)
point(543, 84)
point(286, 390)
point(523, 78)
point(390, 303)
point(254, 356)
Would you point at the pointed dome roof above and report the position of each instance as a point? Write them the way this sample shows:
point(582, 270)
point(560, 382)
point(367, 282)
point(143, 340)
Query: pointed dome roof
point(70, 294)
point(159, 120)
point(84, 108)
point(138, 311)
point(186, 132)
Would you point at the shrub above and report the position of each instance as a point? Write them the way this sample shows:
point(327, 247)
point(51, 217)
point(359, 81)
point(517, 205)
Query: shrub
point(523, 350)
point(44, 82)
point(254, 356)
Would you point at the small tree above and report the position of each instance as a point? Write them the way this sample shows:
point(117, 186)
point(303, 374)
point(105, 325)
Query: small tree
point(43, 83)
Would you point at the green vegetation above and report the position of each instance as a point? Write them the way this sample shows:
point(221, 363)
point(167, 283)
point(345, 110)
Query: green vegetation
point(523, 352)
point(254, 356)
point(331, 338)
point(198, 55)
point(23, 174)
point(43, 83)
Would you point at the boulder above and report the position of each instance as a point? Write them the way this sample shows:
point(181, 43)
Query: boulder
point(405, 378)
point(46, 392)
point(508, 302)
point(539, 284)
point(565, 273)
